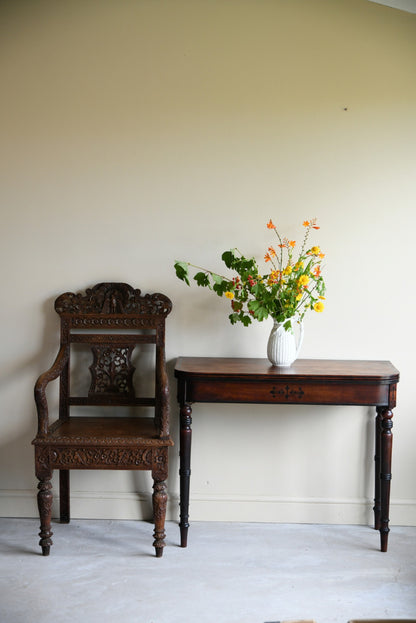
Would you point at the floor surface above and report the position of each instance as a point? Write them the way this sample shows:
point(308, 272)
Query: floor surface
point(230, 573)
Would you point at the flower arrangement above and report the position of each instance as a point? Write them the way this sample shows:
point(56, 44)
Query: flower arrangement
point(293, 286)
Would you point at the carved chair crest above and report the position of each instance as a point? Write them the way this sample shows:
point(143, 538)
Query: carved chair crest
point(113, 298)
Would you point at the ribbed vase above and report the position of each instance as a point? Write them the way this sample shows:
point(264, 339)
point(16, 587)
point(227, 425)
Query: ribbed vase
point(282, 349)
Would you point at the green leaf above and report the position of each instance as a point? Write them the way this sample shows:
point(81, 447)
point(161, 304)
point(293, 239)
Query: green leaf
point(202, 279)
point(220, 286)
point(181, 269)
point(260, 312)
point(228, 258)
point(216, 278)
point(246, 320)
point(237, 305)
point(288, 326)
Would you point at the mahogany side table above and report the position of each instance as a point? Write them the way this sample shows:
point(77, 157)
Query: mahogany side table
point(307, 382)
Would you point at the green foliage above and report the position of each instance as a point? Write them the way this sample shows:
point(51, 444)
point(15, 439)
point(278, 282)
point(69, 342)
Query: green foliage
point(292, 286)
point(202, 279)
point(182, 271)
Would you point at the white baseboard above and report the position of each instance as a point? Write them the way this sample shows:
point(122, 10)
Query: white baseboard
point(129, 505)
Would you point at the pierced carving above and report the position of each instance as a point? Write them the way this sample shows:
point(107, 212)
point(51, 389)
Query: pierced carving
point(113, 298)
point(287, 392)
point(112, 371)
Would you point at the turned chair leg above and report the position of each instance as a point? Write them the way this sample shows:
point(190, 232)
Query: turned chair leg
point(45, 513)
point(159, 513)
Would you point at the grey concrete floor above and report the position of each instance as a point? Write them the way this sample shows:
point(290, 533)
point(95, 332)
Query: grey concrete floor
point(229, 573)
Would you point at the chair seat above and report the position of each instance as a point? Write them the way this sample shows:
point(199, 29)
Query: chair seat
point(93, 431)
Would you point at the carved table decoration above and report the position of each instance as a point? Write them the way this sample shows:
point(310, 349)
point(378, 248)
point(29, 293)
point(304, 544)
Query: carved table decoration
point(293, 286)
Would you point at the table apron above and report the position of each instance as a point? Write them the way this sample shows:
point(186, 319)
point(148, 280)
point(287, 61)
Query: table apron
point(289, 392)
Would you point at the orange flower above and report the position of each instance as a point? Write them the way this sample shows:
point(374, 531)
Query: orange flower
point(272, 252)
point(267, 258)
point(292, 243)
point(273, 277)
point(317, 271)
point(270, 225)
point(321, 255)
point(311, 223)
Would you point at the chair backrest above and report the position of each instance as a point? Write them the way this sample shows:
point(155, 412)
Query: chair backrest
point(112, 319)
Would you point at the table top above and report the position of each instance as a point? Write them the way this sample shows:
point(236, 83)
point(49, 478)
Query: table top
point(318, 369)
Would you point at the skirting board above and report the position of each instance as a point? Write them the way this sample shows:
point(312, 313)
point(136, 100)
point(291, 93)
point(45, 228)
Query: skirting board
point(116, 505)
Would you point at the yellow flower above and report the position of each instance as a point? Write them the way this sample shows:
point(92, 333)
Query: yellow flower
point(299, 296)
point(229, 295)
point(303, 280)
point(287, 270)
point(319, 307)
point(298, 265)
point(316, 250)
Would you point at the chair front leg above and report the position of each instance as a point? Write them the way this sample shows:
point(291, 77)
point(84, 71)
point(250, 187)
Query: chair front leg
point(45, 498)
point(159, 514)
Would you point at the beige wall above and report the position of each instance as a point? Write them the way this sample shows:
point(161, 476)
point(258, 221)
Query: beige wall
point(136, 133)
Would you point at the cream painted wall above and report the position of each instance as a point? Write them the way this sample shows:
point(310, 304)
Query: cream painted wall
point(136, 133)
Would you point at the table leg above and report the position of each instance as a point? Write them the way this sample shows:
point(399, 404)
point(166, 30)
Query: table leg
point(185, 469)
point(377, 471)
point(386, 442)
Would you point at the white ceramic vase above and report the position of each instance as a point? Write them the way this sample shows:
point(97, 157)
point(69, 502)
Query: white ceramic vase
point(282, 349)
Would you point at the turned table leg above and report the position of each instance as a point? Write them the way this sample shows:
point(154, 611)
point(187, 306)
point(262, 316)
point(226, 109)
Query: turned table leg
point(377, 471)
point(385, 473)
point(185, 470)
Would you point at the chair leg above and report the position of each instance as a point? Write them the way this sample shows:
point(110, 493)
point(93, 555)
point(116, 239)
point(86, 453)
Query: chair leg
point(159, 513)
point(64, 505)
point(45, 512)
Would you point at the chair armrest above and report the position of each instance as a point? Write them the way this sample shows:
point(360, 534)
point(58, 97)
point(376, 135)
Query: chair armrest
point(40, 389)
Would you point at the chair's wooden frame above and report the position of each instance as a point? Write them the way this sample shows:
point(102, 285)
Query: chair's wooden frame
point(111, 318)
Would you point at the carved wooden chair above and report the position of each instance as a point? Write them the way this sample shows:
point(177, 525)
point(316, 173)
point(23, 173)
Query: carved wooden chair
point(113, 320)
